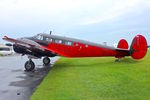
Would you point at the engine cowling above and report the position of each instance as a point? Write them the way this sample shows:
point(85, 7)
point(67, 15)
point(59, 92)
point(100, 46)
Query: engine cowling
point(20, 49)
point(34, 52)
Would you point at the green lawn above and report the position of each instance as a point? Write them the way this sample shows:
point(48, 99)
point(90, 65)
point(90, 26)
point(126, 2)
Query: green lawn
point(96, 79)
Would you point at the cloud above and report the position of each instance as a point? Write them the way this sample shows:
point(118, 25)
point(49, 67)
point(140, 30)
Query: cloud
point(73, 12)
point(23, 15)
point(117, 9)
point(28, 16)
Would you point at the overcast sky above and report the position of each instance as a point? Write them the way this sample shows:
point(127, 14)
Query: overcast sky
point(93, 20)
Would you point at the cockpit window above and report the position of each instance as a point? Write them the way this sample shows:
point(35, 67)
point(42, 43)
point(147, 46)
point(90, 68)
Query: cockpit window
point(39, 37)
point(43, 38)
point(49, 39)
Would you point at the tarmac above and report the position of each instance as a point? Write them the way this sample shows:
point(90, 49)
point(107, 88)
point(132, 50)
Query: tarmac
point(15, 83)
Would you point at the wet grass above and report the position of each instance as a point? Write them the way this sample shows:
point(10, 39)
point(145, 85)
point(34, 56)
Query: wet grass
point(96, 79)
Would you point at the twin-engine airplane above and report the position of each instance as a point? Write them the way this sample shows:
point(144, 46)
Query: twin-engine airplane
point(46, 45)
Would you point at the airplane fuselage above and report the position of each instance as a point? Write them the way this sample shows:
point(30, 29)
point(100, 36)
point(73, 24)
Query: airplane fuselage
point(70, 47)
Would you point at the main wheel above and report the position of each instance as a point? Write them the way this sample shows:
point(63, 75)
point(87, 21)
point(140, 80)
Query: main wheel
point(46, 61)
point(29, 65)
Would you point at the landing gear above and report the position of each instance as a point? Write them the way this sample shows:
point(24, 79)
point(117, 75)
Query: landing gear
point(29, 65)
point(46, 61)
point(117, 60)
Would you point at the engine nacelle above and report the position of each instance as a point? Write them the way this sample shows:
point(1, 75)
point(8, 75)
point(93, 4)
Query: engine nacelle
point(34, 52)
point(20, 49)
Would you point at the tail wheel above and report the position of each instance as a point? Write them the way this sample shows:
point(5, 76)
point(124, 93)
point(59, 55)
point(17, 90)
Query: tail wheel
point(29, 65)
point(117, 60)
point(46, 61)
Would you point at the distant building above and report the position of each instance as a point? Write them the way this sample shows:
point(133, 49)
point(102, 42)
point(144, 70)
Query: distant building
point(115, 45)
point(6, 50)
point(105, 43)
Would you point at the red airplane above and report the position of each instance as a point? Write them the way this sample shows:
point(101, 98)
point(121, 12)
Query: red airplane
point(47, 45)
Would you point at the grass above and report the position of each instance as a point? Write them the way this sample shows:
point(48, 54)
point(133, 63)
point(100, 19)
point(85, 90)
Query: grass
point(96, 79)
point(1, 54)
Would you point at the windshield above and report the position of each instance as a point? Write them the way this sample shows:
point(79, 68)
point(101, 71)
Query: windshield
point(39, 37)
point(43, 38)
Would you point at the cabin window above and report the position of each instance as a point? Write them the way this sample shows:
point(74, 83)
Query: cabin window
point(44, 38)
point(58, 41)
point(52, 40)
point(49, 39)
point(68, 43)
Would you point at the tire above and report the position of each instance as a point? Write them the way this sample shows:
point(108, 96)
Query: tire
point(46, 61)
point(29, 66)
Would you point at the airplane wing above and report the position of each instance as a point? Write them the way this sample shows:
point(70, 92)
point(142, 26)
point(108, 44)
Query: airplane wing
point(15, 41)
point(25, 42)
point(29, 44)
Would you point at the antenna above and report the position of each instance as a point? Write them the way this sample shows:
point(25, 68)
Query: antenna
point(50, 32)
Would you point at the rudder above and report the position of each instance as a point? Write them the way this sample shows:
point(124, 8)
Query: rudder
point(138, 48)
point(123, 44)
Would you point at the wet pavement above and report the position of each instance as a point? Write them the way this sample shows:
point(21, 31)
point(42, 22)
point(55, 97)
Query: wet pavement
point(15, 83)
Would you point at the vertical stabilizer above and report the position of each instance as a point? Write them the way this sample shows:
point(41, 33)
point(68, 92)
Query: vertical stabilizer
point(138, 47)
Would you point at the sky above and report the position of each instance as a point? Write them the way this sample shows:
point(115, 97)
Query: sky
point(93, 20)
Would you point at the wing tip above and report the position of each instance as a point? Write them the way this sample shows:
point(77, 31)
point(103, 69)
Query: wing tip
point(5, 37)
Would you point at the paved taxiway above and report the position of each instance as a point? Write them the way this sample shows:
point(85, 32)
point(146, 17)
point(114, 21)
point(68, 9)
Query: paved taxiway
point(15, 83)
